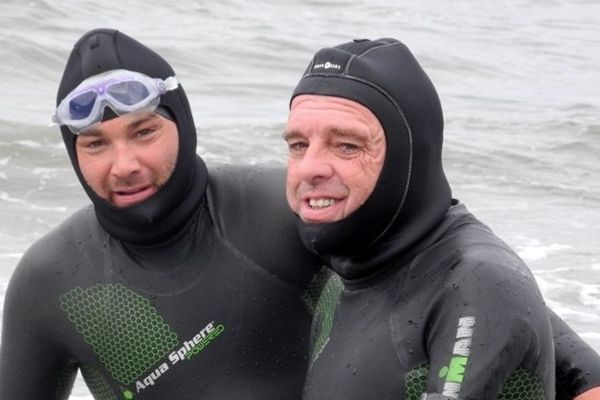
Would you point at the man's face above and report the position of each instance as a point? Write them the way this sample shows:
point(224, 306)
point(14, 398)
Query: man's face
point(125, 160)
point(336, 152)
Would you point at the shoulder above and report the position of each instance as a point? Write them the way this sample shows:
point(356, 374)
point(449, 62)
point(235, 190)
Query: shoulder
point(47, 266)
point(484, 256)
point(241, 198)
point(478, 252)
point(245, 186)
point(54, 251)
point(250, 211)
point(471, 265)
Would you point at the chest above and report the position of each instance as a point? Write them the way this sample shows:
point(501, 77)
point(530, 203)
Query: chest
point(374, 349)
point(214, 324)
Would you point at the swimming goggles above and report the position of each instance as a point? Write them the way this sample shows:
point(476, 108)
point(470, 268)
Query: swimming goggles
point(122, 90)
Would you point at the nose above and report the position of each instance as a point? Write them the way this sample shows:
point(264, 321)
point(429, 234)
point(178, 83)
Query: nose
point(315, 165)
point(125, 161)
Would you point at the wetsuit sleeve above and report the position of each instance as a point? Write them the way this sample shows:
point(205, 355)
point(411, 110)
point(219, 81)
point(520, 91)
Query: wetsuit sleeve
point(250, 211)
point(33, 365)
point(489, 334)
point(577, 364)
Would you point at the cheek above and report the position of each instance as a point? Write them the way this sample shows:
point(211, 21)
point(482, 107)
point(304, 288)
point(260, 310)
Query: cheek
point(169, 151)
point(168, 167)
point(95, 173)
point(368, 171)
point(90, 168)
point(290, 194)
point(291, 186)
point(365, 179)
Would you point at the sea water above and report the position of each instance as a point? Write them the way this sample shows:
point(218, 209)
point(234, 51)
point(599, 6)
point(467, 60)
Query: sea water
point(518, 80)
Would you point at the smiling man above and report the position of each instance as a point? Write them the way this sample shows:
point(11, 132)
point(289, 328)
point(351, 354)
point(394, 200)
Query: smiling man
point(337, 149)
point(433, 304)
point(175, 282)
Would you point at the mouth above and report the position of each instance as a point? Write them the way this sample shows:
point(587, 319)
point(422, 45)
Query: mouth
point(321, 209)
point(130, 196)
point(319, 204)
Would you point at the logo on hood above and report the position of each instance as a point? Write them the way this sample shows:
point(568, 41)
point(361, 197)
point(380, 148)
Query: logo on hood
point(327, 65)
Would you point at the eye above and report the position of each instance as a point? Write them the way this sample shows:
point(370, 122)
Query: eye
point(92, 144)
point(347, 148)
point(297, 146)
point(145, 132)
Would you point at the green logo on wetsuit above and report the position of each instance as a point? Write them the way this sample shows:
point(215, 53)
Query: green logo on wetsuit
point(129, 337)
point(455, 371)
point(189, 349)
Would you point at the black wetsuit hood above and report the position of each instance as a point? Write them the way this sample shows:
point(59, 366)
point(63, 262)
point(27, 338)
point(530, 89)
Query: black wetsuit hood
point(412, 194)
point(165, 213)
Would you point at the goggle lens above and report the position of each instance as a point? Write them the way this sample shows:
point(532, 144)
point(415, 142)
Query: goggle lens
point(81, 106)
point(128, 92)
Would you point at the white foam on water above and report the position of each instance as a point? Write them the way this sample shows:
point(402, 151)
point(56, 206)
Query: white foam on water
point(7, 197)
point(589, 294)
point(3, 286)
point(29, 143)
point(11, 256)
point(591, 335)
point(534, 250)
point(519, 94)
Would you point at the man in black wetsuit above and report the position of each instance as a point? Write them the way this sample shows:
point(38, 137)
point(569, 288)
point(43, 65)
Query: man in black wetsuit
point(175, 283)
point(433, 305)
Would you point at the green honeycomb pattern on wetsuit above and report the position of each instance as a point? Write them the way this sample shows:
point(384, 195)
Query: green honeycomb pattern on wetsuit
point(65, 382)
point(315, 288)
point(97, 384)
point(123, 328)
point(416, 379)
point(521, 385)
point(324, 310)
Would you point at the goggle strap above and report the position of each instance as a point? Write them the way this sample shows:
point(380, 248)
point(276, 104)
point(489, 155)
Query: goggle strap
point(171, 83)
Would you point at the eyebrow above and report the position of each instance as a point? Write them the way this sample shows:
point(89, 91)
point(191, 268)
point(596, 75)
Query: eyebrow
point(345, 132)
point(144, 118)
point(97, 131)
point(286, 135)
point(91, 132)
point(333, 131)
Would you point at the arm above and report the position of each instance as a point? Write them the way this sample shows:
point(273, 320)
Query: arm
point(577, 364)
point(32, 364)
point(248, 206)
point(489, 336)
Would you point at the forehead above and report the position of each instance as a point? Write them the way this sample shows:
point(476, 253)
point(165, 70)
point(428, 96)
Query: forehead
point(124, 123)
point(335, 112)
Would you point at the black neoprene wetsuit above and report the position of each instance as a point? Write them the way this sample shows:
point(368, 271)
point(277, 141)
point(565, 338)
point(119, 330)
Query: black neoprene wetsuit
point(212, 314)
point(203, 291)
point(433, 304)
point(194, 293)
point(442, 319)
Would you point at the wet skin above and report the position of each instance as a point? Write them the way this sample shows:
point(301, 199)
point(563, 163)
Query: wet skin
point(336, 152)
point(125, 160)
